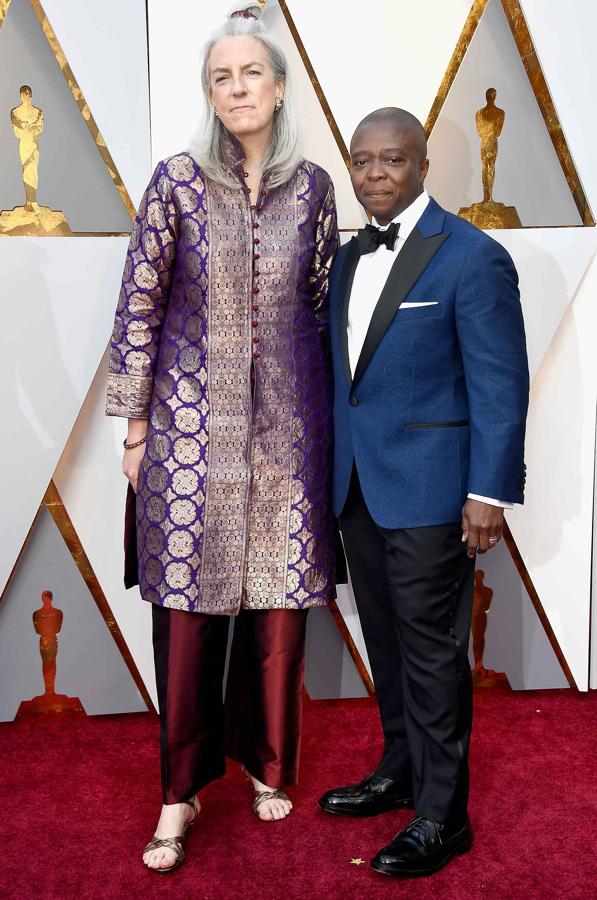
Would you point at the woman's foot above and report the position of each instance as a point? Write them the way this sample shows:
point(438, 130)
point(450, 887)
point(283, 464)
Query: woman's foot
point(175, 820)
point(270, 803)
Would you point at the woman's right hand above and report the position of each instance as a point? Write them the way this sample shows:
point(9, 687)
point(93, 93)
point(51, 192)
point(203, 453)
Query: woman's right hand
point(132, 458)
point(131, 462)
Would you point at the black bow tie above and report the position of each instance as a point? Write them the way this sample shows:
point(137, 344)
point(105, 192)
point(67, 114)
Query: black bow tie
point(370, 237)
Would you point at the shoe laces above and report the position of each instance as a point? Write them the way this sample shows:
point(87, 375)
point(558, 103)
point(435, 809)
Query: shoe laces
point(421, 826)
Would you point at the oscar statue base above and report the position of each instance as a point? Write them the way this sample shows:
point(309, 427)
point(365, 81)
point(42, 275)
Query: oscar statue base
point(490, 214)
point(49, 703)
point(32, 219)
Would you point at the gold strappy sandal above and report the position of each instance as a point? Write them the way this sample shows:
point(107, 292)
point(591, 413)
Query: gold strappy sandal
point(176, 844)
point(262, 796)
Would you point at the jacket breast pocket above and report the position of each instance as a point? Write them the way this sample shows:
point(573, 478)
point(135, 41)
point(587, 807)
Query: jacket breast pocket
point(414, 312)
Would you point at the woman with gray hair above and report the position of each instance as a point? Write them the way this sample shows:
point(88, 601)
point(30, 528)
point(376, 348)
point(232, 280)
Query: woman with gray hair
point(219, 361)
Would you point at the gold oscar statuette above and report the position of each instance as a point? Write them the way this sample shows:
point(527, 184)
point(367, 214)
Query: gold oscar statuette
point(490, 214)
point(482, 598)
point(31, 219)
point(47, 622)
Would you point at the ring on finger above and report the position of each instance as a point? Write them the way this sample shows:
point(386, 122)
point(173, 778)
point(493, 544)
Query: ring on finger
point(493, 540)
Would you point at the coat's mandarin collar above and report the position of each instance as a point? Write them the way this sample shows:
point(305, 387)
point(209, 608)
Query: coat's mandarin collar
point(236, 154)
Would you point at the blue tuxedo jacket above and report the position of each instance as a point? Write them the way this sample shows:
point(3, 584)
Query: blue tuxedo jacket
point(437, 405)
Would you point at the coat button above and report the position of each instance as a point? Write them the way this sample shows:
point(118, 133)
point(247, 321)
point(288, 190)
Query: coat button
point(354, 401)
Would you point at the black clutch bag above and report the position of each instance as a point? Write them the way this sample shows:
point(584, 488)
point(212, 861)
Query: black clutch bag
point(131, 562)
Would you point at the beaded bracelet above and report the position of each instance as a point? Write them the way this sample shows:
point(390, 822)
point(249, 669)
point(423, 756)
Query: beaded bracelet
point(136, 444)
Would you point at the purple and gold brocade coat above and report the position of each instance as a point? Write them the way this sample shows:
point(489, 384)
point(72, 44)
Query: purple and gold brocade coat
point(220, 340)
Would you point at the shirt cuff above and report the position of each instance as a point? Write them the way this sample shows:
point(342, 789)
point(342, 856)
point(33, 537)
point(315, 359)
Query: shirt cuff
point(503, 503)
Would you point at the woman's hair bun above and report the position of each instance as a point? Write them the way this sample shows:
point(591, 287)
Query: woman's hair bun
point(251, 10)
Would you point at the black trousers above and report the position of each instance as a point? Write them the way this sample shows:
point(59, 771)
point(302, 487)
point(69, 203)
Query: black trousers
point(413, 589)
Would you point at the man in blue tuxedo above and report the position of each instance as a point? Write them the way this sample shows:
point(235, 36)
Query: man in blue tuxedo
point(431, 394)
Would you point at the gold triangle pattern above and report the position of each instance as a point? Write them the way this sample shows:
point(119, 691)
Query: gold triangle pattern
point(524, 43)
point(52, 500)
point(53, 503)
point(79, 100)
point(534, 598)
point(529, 58)
point(526, 49)
point(327, 110)
point(325, 106)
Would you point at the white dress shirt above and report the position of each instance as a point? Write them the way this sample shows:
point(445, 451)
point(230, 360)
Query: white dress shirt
point(370, 277)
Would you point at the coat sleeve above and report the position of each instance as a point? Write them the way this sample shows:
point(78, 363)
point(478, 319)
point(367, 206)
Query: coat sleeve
point(326, 244)
point(493, 346)
point(143, 301)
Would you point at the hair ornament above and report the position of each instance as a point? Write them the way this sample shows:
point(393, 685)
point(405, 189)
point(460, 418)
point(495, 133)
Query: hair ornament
point(246, 11)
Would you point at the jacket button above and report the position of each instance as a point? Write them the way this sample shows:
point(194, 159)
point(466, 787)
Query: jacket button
point(354, 401)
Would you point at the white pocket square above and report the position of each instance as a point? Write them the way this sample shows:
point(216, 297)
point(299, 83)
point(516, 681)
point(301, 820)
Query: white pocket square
point(416, 305)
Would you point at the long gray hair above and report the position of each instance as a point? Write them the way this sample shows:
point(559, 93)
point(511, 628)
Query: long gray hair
point(211, 147)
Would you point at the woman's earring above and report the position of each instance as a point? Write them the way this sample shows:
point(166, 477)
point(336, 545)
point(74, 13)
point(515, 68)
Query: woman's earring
point(215, 112)
point(279, 104)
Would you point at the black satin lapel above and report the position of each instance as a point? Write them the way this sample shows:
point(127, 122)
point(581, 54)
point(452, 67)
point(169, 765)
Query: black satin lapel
point(344, 289)
point(412, 260)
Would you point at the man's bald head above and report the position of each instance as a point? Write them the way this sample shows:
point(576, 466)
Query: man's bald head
point(399, 119)
point(388, 162)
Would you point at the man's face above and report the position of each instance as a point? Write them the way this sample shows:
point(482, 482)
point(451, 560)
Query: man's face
point(387, 171)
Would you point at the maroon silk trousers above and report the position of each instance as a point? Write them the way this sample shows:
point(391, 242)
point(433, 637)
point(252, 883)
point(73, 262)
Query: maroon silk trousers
point(259, 722)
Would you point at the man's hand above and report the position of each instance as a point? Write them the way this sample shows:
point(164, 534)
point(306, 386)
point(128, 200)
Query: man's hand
point(482, 526)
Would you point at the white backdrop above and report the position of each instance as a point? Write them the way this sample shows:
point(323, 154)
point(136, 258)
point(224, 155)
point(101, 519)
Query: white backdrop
point(66, 290)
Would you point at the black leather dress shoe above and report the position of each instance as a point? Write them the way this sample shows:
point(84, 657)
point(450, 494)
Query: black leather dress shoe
point(423, 847)
point(373, 795)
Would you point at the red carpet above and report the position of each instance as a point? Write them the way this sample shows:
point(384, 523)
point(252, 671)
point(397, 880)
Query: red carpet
point(79, 798)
